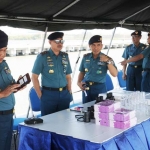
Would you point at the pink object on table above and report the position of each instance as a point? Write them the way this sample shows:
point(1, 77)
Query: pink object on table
point(106, 106)
point(119, 114)
point(122, 114)
point(117, 124)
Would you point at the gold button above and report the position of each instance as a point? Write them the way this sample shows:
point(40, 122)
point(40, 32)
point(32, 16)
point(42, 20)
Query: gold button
point(90, 83)
point(60, 89)
point(135, 66)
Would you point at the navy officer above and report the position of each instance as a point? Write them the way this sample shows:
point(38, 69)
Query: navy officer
point(133, 74)
point(93, 70)
point(54, 67)
point(7, 99)
point(145, 84)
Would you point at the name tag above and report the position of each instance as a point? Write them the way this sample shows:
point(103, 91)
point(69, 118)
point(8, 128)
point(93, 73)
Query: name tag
point(64, 62)
point(101, 63)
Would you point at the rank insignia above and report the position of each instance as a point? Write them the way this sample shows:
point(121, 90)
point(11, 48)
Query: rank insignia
point(87, 60)
point(48, 57)
point(51, 71)
point(86, 70)
point(51, 65)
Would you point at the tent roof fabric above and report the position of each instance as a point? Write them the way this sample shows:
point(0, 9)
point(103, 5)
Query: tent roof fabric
point(75, 14)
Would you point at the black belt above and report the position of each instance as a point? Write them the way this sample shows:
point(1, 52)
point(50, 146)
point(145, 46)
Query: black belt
point(54, 89)
point(7, 112)
point(136, 66)
point(92, 83)
point(146, 69)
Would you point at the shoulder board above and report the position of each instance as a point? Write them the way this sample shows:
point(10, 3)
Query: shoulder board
point(129, 45)
point(64, 53)
point(86, 54)
point(44, 52)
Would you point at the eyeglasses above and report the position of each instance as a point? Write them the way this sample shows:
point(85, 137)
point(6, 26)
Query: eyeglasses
point(59, 41)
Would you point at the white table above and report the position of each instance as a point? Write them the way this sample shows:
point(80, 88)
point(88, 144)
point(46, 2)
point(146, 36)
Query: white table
point(65, 123)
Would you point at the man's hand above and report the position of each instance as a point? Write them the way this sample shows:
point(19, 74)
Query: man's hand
point(10, 89)
point(80, 84)
point(124, 76)
point(20, 85)
point(124, 62)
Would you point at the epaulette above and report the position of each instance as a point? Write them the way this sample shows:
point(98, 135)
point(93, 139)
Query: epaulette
point(129, 45)
point(86, 54)
point(44, 52)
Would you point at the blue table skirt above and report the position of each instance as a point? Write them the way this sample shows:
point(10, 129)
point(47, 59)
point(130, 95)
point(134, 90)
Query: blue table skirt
point(135, 138)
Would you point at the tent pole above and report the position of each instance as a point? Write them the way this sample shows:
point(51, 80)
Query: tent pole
point(46, 29)
point(111, 40)
point(78, 58)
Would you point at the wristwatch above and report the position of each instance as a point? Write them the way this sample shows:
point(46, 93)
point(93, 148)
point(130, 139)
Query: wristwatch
point(110, 61)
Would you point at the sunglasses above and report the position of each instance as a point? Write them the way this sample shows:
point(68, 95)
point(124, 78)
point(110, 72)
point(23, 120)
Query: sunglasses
point(59, 41)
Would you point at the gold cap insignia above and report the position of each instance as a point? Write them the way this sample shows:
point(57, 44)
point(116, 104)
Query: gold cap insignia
point(100, 39)
point(136, 32)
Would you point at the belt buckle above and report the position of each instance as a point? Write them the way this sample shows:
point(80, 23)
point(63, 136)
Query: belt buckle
point(90, 83)
point(135, 66)
point(60, 89)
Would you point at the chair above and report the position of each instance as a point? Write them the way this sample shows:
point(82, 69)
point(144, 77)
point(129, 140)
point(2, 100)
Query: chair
point(16, 122)
point(122, 83)
point(109, 83)
point(34, 103)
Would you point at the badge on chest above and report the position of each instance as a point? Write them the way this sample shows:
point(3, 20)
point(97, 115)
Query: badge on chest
point(51, 71)
point(7, 70)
